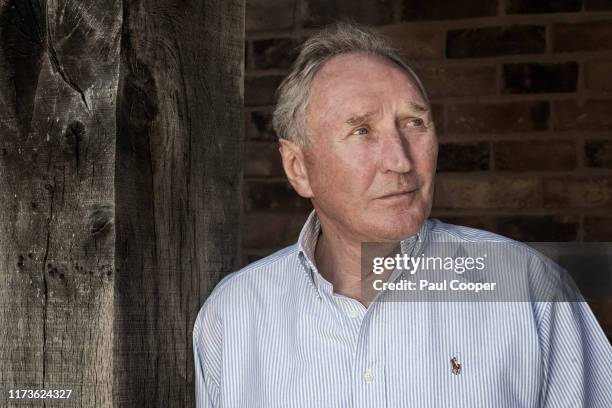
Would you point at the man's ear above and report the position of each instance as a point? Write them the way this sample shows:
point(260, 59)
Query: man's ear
point(295, 167)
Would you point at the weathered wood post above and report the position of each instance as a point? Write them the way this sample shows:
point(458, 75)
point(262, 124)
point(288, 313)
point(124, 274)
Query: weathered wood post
point(178, 169)
point(120, 147)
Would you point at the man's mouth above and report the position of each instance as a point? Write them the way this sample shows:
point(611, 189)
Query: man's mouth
point(398, 194)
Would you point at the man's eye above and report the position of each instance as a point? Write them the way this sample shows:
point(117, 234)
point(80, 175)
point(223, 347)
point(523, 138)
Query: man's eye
point(361, 131)
point(416, 122)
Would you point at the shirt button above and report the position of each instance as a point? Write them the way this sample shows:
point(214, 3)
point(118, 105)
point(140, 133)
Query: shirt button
point(353, 314)
point(367, 376)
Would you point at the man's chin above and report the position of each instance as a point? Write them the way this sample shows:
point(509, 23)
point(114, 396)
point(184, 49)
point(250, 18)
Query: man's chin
point(398, 227)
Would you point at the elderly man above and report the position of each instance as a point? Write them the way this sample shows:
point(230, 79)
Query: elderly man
point(297, 329)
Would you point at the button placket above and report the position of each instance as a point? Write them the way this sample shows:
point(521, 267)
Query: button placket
point(368, 377)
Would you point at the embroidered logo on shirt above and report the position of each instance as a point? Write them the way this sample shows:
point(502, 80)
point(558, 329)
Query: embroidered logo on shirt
point(455, 366)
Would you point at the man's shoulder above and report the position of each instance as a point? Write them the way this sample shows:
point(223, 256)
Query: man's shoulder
point(509, 255)
point(478, 239)
point(255, 277)
point(443, 231)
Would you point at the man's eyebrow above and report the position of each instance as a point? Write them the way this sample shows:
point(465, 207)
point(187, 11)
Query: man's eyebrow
point(355, 119)
point(417, 107)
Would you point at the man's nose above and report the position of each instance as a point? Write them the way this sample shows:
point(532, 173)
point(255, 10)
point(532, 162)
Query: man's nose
point(395, 152)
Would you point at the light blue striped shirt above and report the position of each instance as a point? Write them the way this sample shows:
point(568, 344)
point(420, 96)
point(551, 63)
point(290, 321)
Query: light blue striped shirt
point(275, 335)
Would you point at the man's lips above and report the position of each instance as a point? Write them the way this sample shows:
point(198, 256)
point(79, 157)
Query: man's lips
point(397, 194)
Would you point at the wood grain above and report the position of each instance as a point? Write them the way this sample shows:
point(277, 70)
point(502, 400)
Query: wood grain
point(178, 171)
point(120, 146)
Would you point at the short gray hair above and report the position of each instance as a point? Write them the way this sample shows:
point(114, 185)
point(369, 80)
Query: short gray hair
point(289, 118)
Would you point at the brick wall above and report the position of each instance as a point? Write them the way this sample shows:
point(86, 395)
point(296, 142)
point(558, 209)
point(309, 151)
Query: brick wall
point(522, 96)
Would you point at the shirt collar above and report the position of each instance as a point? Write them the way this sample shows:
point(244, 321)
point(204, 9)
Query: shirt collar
point(307, 242)
point(309, 235)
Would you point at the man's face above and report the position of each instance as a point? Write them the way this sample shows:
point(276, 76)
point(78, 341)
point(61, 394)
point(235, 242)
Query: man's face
point(372, 160)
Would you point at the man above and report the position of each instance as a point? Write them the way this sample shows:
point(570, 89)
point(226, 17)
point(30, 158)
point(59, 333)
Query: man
point(297, 329)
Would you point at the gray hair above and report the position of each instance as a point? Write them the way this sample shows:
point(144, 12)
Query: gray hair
point(289, 118)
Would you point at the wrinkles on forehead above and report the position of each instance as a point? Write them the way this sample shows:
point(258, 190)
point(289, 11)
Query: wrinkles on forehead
point(340, 94)
point(412, 107)
point(357, 119)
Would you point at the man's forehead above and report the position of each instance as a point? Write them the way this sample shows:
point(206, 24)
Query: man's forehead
point(346, 77)
point(349, 70)
point(406, 105)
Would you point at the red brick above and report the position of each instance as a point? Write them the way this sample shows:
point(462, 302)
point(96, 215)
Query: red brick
point(587, 36)
point(495, 41)
point(598, 75)
point(277, 196)
point(598, 229)
point(535, 155)
point(538, 6)
point(317, 13)
point(414, 43)
point(598, 153)
point(525, 228)
point(439, 119)
point(560, 228)
point(540, 78)
point(447, 9)
point(259, 91)
point(463, 156)
point(592, 115)
point(597, 5)
point(263, 230)
point(258, 125)
point(275, 53)
point(498, 117)
point(578, 192)
point(262, 159)
point(490, 192)
point(458, 81)
point(269, 14)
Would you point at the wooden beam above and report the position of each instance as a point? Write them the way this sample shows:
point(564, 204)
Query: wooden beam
point(178, 171)
point(120, 141)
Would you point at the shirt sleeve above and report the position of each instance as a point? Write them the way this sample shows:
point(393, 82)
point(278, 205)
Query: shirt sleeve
point(577, 357)
point(207, 347)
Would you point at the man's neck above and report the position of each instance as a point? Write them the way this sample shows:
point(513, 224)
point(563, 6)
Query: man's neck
point(338, 260)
